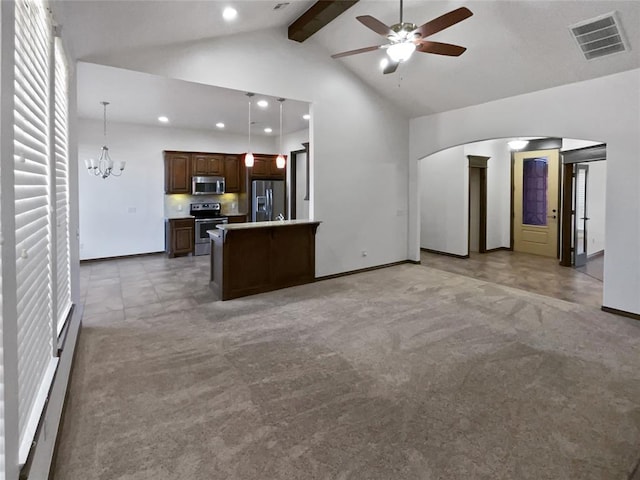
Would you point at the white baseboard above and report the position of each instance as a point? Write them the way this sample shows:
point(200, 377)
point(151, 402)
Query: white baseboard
point(41, 456)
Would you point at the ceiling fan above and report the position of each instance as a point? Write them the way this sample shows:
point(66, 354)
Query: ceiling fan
point(405, 38)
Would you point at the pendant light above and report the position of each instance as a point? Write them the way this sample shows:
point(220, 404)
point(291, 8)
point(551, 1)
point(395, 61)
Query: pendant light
point(280, 161)
point(248, 158)
point(104, 166)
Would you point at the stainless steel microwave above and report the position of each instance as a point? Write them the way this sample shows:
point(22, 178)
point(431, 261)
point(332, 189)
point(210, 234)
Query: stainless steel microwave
point(207, 185)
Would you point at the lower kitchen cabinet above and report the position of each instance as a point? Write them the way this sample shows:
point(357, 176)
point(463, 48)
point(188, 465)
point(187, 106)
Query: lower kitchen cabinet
point(180, 235)
point(237, 218)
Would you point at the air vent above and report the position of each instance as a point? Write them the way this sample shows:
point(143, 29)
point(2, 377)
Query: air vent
point(600, 36)
point(280, 6)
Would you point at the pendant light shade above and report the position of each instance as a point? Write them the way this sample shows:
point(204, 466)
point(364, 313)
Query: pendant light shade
point(280, 161)
point(248, 158)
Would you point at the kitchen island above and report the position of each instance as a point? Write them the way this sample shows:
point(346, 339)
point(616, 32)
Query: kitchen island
point(256, 257)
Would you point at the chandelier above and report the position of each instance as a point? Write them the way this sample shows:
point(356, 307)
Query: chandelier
point(104, 166)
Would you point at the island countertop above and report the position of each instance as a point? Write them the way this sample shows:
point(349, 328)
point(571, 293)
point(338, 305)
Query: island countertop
point(275, 223)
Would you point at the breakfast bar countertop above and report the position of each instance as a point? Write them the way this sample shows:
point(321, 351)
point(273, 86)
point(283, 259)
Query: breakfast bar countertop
point(275, 223)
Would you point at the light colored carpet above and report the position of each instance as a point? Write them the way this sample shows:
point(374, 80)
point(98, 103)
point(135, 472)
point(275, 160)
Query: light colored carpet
point(401, 373)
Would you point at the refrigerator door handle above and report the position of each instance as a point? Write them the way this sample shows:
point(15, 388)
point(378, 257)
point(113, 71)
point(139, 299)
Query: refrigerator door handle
point(270, 204)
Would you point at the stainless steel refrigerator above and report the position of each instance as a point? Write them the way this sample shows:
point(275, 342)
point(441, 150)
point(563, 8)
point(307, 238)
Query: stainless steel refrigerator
point(268, 200)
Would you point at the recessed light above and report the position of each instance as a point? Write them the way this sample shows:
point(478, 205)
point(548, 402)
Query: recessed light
point(263, 103)
point(229, 14)
point(220, 125)
point(306, 116)
point(268, 130)
point(163, 119)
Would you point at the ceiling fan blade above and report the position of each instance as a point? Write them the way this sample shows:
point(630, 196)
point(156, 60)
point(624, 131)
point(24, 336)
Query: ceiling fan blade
point(355, 52)
point(391, 67)
point(375, 25)
point(438, 48)
point(444, 21)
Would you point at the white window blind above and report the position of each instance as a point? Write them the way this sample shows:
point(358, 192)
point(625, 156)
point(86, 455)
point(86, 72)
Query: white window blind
point(33, 230)
point(61, 140)
point(2, 440)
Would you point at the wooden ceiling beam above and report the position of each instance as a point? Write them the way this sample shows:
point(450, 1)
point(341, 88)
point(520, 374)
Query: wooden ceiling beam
point(319, 14)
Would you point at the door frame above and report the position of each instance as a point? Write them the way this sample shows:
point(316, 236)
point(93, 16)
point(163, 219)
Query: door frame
point(568, 158)
point(583, 257)
point(479, 162)
point(293, 175)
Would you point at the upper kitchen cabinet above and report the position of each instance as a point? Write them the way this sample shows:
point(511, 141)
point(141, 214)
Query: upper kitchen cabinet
point(177, 172)
point(204, 164)
point(264, 166)
point(233, 173)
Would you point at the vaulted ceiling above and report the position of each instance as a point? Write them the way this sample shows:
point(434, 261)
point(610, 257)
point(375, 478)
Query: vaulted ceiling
point(514, 47)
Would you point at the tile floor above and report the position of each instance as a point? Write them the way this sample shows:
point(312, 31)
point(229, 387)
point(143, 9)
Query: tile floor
point(141, 286)
point(129, 287)
point(521, 270)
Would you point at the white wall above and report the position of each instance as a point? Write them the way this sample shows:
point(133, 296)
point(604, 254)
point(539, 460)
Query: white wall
point(444, 197)
point(596, 204)
point(573, 144)
point(359, 141)
point(605, 109)
point(125, 215)
point(444, 201)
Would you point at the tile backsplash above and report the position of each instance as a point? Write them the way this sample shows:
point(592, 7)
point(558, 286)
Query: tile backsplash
point(177, 205)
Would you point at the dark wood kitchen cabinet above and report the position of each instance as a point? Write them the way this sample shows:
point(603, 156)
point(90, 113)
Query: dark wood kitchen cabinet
point(237, 218)
point(233, 173)
point(177, 172)
point(180, 236)
point(264, 167)
point(204, 164)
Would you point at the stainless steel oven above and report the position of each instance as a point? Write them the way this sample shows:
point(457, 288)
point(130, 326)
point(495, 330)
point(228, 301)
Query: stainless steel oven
point(202, 242)
point(207, 217)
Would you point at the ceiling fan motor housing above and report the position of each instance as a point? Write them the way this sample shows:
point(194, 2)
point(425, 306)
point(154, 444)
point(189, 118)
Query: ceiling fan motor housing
point(402, 31)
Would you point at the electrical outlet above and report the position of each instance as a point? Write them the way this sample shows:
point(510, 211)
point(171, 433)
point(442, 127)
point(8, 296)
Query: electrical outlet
point(131, 209)
point(81, 246)
point(180, 207)
point(364, 253)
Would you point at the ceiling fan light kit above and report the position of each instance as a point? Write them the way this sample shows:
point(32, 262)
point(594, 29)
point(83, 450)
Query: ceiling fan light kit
point(405, 38)
point(401, 52)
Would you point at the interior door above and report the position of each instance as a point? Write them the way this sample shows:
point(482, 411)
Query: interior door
point(535, 202)
point(580, 223)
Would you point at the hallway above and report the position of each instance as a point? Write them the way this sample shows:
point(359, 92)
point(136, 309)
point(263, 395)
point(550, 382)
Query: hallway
point(524, 271)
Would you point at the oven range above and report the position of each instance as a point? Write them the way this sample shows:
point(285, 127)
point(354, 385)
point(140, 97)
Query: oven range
point(207, 216)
